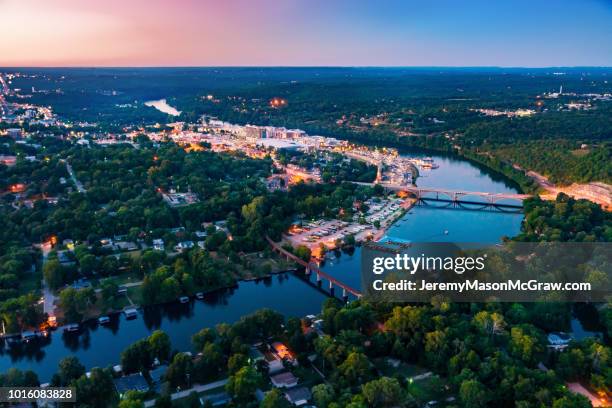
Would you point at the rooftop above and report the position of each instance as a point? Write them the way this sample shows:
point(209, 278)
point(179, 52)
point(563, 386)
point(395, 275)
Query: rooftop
point(134, 382)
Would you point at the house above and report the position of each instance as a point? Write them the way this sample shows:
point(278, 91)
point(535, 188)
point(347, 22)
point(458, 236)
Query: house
point(282, 351)
point(69, 244)
point(158, 244)
point(275, 364)
point(284, 380)
point(134, 382)
point(126, 246)
point(157, 376)
point(216, 400)
point(298, 396)
point(184, 245)
point(558, 340)
point(65, 258)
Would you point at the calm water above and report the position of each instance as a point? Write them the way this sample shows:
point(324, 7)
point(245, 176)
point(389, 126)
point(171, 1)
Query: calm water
point(101, 345)
point(432, 223)
point(162, 105)
point(288, 294)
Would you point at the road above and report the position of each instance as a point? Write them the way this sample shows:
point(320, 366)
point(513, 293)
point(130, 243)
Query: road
point(4, 91)
point(48, 296)
point(600, 193)
point(185, 393)
point(77, 183)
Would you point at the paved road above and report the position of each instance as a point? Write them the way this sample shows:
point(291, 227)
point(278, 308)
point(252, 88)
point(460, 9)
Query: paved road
point(185, 393)
point(77, 183)
point(48, 296)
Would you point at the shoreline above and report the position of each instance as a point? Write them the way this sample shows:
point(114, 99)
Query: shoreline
point(140, 307)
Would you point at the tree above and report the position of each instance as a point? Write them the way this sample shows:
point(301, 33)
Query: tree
point(70, 368)
point(163, 401)
point(180, 371)
point(242, 385)
point(203, 337)
point(236, 362)
point(14, 377)
point(524, 343)
point(131, 404)
point(489, 323)
point(274, 399)
point(132, 399)
point(355, 368)
point(74, 302)
point(109, 291)
point(572, 401)
point(303, 252)
point(323, 395)
point(88, 264)
point(193, 400)
point(54, 273)
point(97, 390)
point(137, 357)
point(384, 392)
point(473, 394)
point(159, 345)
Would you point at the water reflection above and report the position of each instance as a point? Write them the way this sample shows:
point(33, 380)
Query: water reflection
point(101, 345)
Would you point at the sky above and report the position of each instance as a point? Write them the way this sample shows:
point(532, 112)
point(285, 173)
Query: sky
point(306, 33)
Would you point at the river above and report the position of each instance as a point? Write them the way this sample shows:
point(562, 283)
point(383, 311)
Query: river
point(432, 223)
point(288, 294)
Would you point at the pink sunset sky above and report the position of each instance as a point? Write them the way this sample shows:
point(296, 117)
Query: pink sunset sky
point(304, 32)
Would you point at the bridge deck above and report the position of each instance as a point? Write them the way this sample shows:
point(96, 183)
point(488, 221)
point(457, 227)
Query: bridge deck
point(450, 193)
point(313, 268)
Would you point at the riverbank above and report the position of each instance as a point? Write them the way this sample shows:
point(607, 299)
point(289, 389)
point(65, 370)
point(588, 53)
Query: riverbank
point(179, 320)
point(252, 267)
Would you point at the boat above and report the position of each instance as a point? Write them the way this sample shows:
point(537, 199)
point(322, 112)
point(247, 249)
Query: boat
point(130, 313)
point(71, 327)
point(184, 299)
point(28, 336)
point(200, 295)
point(103, 320)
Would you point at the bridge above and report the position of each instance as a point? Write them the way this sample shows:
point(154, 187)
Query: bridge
point(311, 267)
point(455, 196)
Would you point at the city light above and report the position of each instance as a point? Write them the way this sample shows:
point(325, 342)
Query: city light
point(278, 102)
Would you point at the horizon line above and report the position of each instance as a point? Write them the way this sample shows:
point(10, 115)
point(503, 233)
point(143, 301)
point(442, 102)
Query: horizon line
point(303, 66)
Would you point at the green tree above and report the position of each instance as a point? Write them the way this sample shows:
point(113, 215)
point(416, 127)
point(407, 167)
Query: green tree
point(323, 395)
point(274, 399)
point(180, 371)
point(473, 394)
point(355, 368)
point(303, 252)
point(70, 368)
point(236, 362)
point(54, 273)
point(97, 390)
point(242, 385)
point(137, 357)
point(383, 392)
point(159, 345)
point(163, 401)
